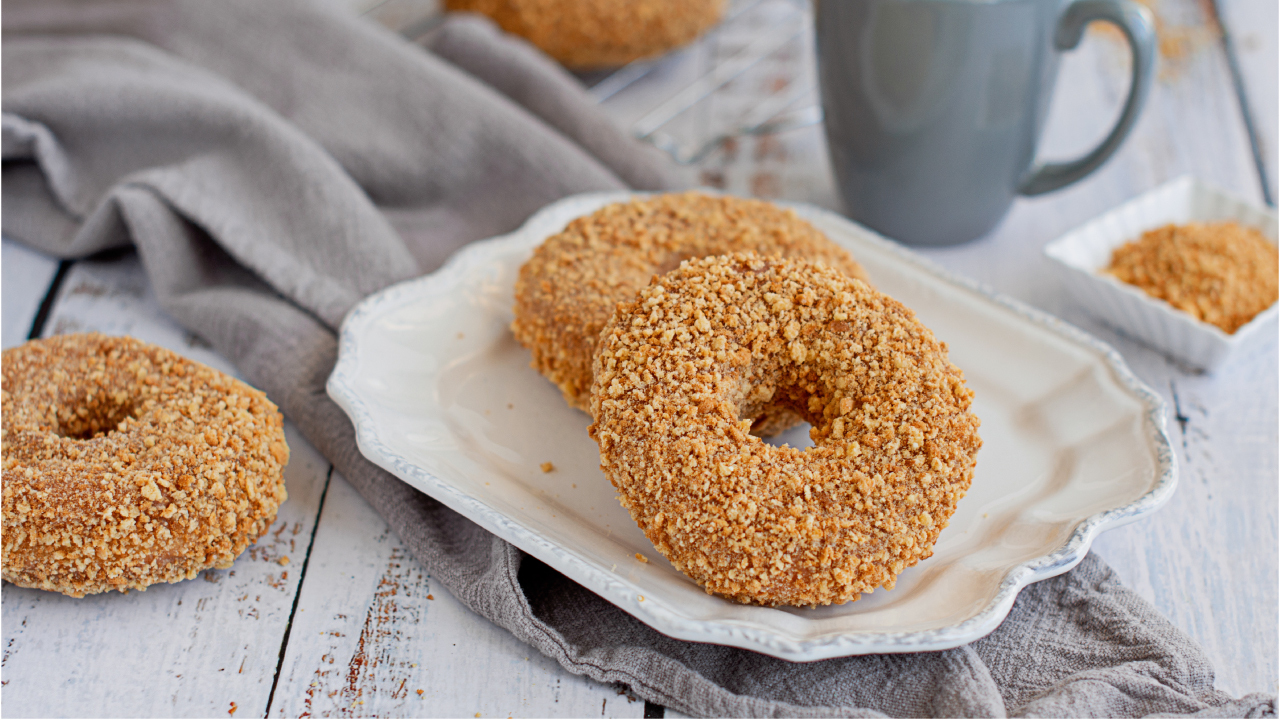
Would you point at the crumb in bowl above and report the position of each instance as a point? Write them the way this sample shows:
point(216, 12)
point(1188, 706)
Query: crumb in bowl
point(1220, 273)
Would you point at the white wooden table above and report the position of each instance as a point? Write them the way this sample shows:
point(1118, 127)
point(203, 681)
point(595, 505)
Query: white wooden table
point(329, 616)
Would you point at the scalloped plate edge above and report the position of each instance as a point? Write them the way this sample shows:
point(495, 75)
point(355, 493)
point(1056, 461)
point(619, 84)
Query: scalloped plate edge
point(626, 595)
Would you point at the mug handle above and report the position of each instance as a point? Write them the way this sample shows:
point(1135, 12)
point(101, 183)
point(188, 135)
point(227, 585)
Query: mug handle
point(1136, 23)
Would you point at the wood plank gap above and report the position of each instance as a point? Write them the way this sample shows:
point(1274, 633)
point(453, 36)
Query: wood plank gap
point(1242, 96)
point(297, 595)
point(50, 296)
point(1178, 414)
point(654, 710)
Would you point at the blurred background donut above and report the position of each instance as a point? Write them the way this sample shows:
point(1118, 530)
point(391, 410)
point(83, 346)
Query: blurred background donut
point(592, 34)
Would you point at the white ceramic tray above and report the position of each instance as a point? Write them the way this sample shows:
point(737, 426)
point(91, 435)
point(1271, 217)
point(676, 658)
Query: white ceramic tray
point(1081, 254)
point(443, 397)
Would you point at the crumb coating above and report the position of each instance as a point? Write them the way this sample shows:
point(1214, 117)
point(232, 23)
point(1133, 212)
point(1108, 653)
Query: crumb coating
point(126, 464)
point(1221, 273)
point(592, 34)
point(567, 291)
point(684, 367)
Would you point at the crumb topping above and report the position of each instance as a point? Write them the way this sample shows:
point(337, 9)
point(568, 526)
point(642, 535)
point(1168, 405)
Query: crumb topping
point(1221, 273)
point(587, 34)
point(684, 367)
point(126, 464)
point(567, 291)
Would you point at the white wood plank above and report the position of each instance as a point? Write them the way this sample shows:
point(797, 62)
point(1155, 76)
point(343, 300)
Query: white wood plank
point(113, 296)
point(26, 275)
point(1188, 559)
point(375, 636)
point(1254, 26)
point(1208, 560)
point(203, 647)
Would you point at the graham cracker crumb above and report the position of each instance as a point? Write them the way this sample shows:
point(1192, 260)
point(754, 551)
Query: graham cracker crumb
point(594, 34)
point(568, 289)
point(684, 368)
point(1220, 273)
point(126, 464)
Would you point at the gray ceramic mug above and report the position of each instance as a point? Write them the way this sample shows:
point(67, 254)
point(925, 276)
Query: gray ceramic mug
point(933, 108)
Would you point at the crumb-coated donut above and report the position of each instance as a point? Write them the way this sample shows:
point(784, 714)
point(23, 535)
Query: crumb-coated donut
point(591, 34)
point(568, 289)
point(683, 368)
point(126, 464)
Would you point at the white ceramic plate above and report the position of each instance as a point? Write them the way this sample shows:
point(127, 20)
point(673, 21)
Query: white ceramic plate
point(1081, 254)
point(443, 397)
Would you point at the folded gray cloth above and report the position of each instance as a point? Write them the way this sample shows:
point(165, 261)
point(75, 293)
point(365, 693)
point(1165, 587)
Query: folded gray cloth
point(274, 162)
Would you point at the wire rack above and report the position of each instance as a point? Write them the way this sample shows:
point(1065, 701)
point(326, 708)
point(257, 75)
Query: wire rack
point(763, 47)
point(752, 74)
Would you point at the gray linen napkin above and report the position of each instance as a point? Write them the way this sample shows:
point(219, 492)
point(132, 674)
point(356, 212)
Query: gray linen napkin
point(273, 163)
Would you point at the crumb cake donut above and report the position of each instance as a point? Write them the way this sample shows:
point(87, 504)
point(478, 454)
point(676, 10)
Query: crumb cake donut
point(126, 464)
point(592, 34)
point(567, 291)
point(684, 367)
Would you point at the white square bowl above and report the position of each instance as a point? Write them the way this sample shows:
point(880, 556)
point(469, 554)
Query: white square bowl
point(1082, 254)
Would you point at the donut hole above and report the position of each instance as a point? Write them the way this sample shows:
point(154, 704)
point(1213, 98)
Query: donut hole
point(672, 261)
point(90, 419)
point(796, 436)
point(784, 403)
